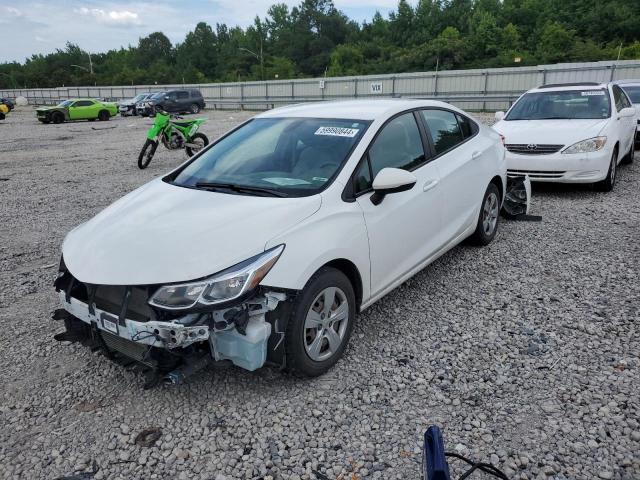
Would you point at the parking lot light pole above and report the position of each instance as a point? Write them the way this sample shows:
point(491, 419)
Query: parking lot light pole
point(260, 58)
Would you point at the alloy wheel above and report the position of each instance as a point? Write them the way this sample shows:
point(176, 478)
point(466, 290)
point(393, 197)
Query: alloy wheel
point(490, 211)
point(326, 324)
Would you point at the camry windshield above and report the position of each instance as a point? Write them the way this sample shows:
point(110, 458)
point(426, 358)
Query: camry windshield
point(633, 92)
point(275, 157)
point(566, 105)
point(137, 98)
point(66, 103)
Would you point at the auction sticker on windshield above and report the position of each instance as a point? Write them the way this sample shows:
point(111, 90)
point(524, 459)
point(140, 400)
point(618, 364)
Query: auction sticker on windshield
point(588, 93)
point(337, 131)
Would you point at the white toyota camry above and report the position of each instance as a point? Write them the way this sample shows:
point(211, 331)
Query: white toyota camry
point(571, 133)
point(265, 246)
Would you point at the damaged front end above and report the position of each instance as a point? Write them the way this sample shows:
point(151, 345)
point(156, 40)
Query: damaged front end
point(171, 331)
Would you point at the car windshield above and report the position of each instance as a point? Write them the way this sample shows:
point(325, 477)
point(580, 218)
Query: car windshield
point(139, 97)
point(275, 157)
point(633, 92)
point(156, 96)
point(566, 105)
point(66, 103)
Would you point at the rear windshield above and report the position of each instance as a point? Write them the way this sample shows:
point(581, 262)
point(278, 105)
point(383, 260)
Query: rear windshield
point(633, 92)
point(291, 156)
point(567, 104)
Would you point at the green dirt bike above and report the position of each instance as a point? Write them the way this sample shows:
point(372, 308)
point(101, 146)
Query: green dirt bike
point(174, 135)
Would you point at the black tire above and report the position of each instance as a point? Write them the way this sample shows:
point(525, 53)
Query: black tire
point(609, 182)
point(103, 115)
point(190, 151)
point(628, 159)
point(488, 218)
point(194, 108)
point(2, 116)
point(296, 336)
point(146, 154)
point(57, 117)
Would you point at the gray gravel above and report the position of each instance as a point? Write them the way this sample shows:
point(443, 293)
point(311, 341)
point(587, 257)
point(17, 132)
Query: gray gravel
point(526, 352)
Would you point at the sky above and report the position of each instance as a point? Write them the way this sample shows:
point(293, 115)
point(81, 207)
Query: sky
point(28, 27)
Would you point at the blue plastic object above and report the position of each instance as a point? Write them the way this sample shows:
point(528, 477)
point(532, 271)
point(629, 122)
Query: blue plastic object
point(434, 462)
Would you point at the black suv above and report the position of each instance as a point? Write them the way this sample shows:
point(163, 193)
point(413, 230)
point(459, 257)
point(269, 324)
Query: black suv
point(178, 101)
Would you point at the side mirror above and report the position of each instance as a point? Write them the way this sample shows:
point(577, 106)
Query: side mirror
point(391, 180)
point(627, 112)
point(499, 115)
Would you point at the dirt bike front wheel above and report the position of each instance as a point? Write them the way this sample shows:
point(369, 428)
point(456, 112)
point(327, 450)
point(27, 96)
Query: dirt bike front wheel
point(146, 154)
point(197, 143)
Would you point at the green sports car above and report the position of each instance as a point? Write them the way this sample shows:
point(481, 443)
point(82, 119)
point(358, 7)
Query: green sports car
point(77, 109)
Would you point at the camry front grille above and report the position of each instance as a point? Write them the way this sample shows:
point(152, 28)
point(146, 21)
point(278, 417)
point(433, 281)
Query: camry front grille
point(533, 148)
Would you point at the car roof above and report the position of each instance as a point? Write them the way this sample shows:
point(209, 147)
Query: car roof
point(560, 87)
point(628, 83)
point(363, 109)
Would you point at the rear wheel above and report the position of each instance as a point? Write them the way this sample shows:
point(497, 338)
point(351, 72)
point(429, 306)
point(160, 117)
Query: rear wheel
point(57, 117)
point(609, 182)
point(194, 108)
point(146, 154)
point(489, 217)
point(199, 140)
point(103, 115)
point(321, 323)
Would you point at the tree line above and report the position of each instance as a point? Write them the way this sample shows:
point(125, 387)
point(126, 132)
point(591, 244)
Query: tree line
point(314, 39)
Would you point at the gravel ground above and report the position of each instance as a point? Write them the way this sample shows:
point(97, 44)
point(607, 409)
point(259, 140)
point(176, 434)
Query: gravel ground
point(526, 351)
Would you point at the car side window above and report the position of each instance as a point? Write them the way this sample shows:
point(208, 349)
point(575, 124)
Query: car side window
point(183, 95)
point(398, 145)
point(82, 103)
point(618, 97)
point(171, 95)
point(469, 127)
point(444, 129)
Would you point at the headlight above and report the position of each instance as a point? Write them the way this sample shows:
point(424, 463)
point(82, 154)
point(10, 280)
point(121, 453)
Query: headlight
point(222, 287)
point(585, 146)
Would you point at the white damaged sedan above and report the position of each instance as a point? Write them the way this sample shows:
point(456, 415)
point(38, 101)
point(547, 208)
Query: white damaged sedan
point(265, 246)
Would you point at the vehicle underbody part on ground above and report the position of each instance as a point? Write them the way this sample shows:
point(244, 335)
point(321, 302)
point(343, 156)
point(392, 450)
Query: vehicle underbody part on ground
point(517, 199)
point(170, 346)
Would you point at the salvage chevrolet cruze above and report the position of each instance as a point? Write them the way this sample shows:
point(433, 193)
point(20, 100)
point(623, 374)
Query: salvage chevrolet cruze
point(569, 133)
point(264, 246)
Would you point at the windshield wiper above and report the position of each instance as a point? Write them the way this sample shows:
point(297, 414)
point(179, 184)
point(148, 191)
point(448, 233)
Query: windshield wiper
point(240, 188)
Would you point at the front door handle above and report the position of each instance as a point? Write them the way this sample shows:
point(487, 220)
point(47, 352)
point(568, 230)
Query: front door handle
point(429, 184)
point(475, 155)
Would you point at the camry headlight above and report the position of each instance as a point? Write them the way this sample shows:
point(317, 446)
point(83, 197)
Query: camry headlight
point(227, 285)
point(585, 146)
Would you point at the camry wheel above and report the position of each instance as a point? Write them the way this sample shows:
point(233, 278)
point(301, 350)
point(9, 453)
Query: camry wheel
point(195, 108)
point(609, 182)
point(489, 217)
point(321, 323)
point(632, 153)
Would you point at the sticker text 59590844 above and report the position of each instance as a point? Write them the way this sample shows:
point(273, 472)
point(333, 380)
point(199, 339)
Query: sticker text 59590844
point(337, 131)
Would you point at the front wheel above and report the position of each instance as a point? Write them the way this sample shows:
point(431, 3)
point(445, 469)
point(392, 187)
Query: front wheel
point(197, 143)
point(146, 154)
point(103, 116)
point(609, 182)
point(489, 217)
point(194, 108)
point(321, 323)
point(632, 153)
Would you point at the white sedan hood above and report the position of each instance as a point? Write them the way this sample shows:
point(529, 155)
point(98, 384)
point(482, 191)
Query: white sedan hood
point(161, 233)
point(554, 132)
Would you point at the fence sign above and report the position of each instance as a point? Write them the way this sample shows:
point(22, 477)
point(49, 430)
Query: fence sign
point(376, 88)
point(321, 85)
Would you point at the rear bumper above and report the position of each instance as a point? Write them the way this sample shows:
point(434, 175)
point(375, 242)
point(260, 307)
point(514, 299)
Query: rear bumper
point(560, 167)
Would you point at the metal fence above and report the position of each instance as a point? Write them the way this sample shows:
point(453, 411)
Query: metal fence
point(480, 89)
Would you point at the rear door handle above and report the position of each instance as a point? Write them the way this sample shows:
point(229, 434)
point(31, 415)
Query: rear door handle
point(429, 184)
point(475, 155)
